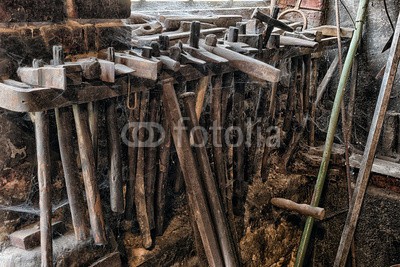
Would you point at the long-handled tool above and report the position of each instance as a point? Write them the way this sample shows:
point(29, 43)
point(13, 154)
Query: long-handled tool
point(370, 149)
point(331, 130)
point(140, 187)
point(221, 225)
point(43, 158)
point(194, 188)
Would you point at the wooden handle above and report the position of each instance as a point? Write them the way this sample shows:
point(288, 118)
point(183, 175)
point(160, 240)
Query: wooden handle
point(303, 209)
point(288, 40)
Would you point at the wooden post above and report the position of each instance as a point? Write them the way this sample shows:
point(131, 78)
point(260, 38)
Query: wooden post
point(44, 176)
point(89, 175)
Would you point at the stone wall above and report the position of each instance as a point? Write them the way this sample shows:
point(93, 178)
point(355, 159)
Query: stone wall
point(52, 10)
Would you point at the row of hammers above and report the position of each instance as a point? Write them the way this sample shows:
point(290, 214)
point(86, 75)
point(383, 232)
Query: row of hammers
point(150, 74)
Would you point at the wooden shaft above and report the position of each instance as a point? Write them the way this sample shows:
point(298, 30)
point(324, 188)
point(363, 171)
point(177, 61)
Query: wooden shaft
point(114, 157)
point(238, 151)
point(268, 31)
point(93, 111)
point(161, 189)
point(194, 34)
point(313, 95)
point(89, 176)
point(303, 209)
point(132, 161)
point(290, 103)
point(271, 21)
point(152, 160)
point(248, 65)
point(219, 162)
point(201, 94)
point(194, 188)
point(44, 177)
point(224, 235)
point(227, 84)
point(327, 78)
point(140, 188)
point(307, 83)
point(80, 223)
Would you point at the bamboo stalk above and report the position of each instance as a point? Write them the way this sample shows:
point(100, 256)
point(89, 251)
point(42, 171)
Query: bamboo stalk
point(332, 129)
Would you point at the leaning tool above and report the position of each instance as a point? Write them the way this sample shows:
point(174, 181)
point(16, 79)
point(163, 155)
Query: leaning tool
point(196, 197)
point(227, 247)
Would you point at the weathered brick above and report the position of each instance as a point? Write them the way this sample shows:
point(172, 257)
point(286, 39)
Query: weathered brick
point(55, 11)
point(110, 9)
point(31, 10)
point(305, 4)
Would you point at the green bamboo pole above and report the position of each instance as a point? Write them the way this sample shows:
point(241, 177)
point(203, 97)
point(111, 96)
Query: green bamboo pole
point(362, 7)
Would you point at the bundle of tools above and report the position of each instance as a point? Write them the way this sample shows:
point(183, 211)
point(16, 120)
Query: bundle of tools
point(149, 78)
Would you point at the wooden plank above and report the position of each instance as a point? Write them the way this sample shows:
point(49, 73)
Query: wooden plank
point(38, 99)
point(29, 238)
point(370, 149)
point(329, 30)
point(380, 166)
